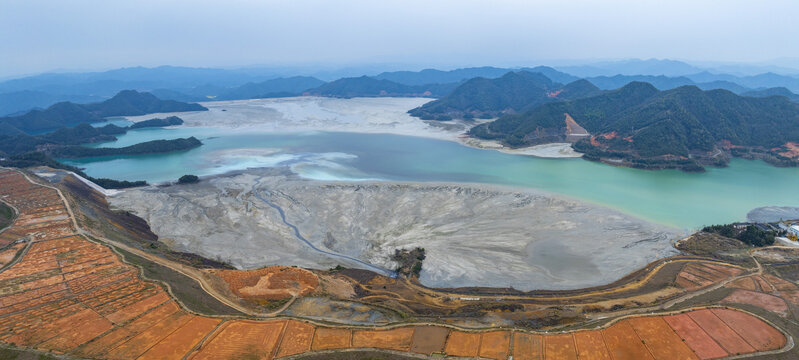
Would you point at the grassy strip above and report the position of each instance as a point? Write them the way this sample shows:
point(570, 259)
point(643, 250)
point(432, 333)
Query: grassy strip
point(186, 289)
point(13, 354)
point(7, 215)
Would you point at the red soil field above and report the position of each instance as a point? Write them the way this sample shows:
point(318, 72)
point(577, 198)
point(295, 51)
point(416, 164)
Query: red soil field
point(297, 338)
point(138, 308)
point(719, 331)
point(429, 339)
point(326, 339)
point(181, 341)
point(242, 339)
point(559, 347)
point(756, 332)
point(765, 301)
point(591, 345)
point(495, 345)
point(624, 343)
point(746, 283)
point(780, 284)
point(70, 339)
point(527, 347)
point(394, 339)
point(660, 339)
point(763, 284)
point(462, 344)
point(118, 335)
point(697, 339)
point(138, 344)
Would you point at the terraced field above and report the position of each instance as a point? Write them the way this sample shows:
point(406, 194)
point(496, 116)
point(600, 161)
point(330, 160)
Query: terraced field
point(69, 295)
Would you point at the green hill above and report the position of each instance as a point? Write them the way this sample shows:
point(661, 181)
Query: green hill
point(639, 126)
point(775, 91)
point(511, 93)
point(66, 114)
point(149, 147)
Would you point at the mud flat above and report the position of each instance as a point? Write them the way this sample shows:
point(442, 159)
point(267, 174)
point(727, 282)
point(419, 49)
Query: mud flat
point(773, 213)
point(361, 115)
point(474, 235)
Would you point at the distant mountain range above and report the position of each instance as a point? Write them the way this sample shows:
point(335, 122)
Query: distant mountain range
point(368, 87)
point(67, 114)
point(513, 92)
point(280, 87)
point(640, 126)
point(204, 84)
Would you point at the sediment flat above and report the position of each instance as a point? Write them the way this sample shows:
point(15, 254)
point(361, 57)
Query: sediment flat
point(385, 115)
point(474, 235)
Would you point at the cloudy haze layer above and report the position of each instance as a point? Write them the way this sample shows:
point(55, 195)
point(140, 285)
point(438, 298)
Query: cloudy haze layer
point(41, 35)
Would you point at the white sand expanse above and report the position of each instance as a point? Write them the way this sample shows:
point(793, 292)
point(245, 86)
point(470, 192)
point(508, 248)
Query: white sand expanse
point(385, 115)
point(474, 235)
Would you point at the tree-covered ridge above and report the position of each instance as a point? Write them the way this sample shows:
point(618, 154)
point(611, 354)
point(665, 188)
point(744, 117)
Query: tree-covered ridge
point(66, 114)
point(148, 147)
point(775, 91)
point(643, 127)
point(749, 234)
point(157, 122)
point(513, 92)
point(81, 134)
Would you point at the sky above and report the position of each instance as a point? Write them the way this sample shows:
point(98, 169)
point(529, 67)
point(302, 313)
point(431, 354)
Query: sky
point(83, 35)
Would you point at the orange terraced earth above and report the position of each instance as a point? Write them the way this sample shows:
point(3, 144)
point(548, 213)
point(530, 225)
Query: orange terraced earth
point(70, 295)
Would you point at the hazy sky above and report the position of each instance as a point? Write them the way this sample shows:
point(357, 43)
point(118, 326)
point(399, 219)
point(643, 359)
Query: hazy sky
point(38, 35)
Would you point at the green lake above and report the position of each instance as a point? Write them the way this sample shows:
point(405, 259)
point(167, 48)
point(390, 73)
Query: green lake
point(684, 200)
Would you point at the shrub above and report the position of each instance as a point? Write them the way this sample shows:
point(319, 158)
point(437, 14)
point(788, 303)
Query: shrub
point(188, 179)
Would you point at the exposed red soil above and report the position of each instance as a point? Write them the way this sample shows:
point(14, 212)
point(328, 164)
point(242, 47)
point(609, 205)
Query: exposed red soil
point(560, 347)
point(495, 345)
point(270, 283)
point(429, 339)
point(326, 339)
point(462, 344)
point(528, 346)
point(297, 338)
point(394, 339)
point(695, 337)
point(591, 345)
point(765, 301)
point(719, 331)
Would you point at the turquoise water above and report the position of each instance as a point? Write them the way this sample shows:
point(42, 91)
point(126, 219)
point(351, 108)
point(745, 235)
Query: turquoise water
point(670, 197)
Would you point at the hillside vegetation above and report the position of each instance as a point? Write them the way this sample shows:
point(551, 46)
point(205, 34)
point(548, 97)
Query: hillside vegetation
point(148, 147)
point(66, 114)
point(640, 126)
point(511, 93)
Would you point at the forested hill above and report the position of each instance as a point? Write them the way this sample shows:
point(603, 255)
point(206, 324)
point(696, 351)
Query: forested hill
point(66, 114)
point(775, 91)
point(368, 87)
point(513, 92)
point(685, 128)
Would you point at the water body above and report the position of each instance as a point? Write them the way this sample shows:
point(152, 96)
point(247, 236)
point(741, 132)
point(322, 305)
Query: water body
point(669, 197)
